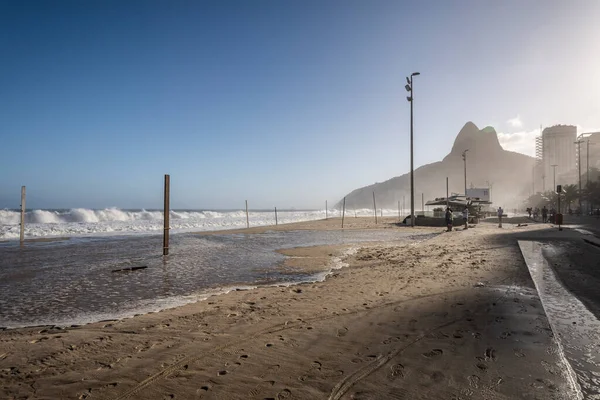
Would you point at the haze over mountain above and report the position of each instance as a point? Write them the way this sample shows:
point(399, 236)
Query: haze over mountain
point(487, 161)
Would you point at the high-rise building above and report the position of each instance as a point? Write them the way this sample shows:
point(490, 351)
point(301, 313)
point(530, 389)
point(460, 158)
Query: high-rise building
point(593, 157)
point(558, 148)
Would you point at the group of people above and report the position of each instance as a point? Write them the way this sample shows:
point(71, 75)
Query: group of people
point(465, 215)
point(450, 218)
point(547, 215)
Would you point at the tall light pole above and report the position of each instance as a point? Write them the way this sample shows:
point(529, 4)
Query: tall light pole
point(587, 165)
point(554, 173)
point(578, 143)
point(490, 185)
point(464, 157)
point(409, 88)
point(543, 183)
point(533, 180)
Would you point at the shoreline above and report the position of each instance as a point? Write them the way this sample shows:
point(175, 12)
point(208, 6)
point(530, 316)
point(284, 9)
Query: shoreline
point(286, 226)
point(298, 265)
point(405, 319)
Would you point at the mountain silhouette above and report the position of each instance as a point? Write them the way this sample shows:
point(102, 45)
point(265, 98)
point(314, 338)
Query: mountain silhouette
point(487, 161)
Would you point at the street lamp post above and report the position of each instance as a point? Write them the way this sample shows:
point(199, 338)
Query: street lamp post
point(578, 143)
point(464, 157)
point(554, 175)
point(587, 164)
point(490, 185)
point(409, 88)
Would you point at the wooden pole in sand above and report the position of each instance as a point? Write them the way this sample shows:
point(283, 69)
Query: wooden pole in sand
point(423, 203)
point(275, 215)
point(326, 216)
point(374, 207)
point(343, 212)
point(166, 217)
point(247, 218)
point(22, 236)
point(399, 215)
point(447, 201)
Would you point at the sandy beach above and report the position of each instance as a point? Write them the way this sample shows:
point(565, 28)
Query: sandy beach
point(451, 316)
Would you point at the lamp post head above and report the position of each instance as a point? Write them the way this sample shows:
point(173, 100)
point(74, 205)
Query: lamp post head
point(415, 74)
point(408, 88)
point(408, 98)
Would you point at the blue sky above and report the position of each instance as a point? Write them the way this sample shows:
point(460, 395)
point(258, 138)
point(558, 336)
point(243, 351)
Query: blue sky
point(283, 103)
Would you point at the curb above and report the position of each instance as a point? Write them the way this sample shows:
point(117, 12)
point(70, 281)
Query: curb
point(594, 242)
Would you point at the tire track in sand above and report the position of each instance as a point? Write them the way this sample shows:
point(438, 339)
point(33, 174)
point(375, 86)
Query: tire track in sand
point(167, 371)
point(345, 384)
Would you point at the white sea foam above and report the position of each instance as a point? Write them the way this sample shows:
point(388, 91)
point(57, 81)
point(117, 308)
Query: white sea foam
point(115, 221)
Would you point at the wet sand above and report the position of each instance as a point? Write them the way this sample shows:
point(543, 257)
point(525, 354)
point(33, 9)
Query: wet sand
point(454, 316)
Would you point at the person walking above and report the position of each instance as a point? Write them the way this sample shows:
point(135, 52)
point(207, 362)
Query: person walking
point(500, 212)
point(465, 214)
point(544, 214)
point(449, 219)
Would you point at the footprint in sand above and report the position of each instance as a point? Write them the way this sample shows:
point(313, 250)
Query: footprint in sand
point(411, 324)
point(342, 332)
point(519, 353)
point(260, 388)
point(474, 381)
point(433, 353)
point(270, 369)
point(490, 354)
point(390, 340)
point(505, 335)
point(284, 394)
point(396, 370)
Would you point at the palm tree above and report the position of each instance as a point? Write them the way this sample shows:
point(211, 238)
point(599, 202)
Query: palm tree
point(571, 194)
point(592, 193)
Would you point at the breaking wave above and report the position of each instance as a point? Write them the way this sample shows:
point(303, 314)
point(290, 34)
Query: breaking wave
point(115, 221)
point(83, 221)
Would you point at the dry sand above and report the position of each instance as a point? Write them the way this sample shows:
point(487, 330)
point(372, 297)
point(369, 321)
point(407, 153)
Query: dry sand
point(402, 321)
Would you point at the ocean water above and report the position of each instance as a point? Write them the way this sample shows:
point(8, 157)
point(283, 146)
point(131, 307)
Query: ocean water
point(72, 281)
point(115, 221)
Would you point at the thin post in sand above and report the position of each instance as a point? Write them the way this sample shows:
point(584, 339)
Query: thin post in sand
point(423, 203)
point(22, 235)
point(399, 215)
point(166, 216)
point(447, 200)
point(343, 212)
point(247, 218)
point(374, 207)
point(403, 204)
point(326, 215)
point(275, 216)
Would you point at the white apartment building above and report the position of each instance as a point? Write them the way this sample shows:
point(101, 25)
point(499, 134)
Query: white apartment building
point(558, 148)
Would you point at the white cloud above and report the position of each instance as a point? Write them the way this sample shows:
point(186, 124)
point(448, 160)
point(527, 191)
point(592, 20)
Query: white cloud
point(520, 142)
point(515, 122)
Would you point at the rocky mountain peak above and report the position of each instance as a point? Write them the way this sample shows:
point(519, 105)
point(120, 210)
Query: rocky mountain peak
point(484, 141)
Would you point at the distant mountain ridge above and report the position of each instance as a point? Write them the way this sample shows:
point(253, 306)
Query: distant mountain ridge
point(487, 161)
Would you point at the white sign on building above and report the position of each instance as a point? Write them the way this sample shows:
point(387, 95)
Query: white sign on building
point(481, 193)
